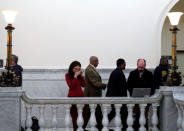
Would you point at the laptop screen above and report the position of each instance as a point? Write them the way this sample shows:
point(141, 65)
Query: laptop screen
point(141, 92)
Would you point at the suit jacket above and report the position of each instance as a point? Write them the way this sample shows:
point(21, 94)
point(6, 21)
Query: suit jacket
point(18, 71)
point(135, 81)
point(75, 86)
point(94, 83)
point(117, 84)
point(160, 76)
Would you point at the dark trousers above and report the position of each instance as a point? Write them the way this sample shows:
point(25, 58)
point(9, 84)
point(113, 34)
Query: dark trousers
point(137, 114)
point(74, 115)
point(123, 113)
point(98, 116)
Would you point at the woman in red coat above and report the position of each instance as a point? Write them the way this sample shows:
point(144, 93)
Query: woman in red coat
point(75, 80)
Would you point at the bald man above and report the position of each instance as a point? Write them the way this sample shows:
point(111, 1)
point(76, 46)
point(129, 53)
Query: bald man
point(94, 87)
point(140, 77)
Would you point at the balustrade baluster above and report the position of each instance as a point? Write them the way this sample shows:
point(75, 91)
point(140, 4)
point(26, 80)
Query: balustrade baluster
point(179, 120)
point(117, 117)
point(130, 117)
point(92, 117)
point(182, 124)
point(142, 119)
point(80, 120)
point(67, 117)
point(154, 118)
point(54, 118)
point(42, 119)
point(28, 117)
point(105, 120)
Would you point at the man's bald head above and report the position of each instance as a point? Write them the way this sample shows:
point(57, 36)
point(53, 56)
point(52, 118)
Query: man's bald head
point(94, 61)
point(141, 64)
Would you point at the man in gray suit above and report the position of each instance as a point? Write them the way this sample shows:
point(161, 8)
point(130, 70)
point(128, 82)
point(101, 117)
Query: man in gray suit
point(94, 87)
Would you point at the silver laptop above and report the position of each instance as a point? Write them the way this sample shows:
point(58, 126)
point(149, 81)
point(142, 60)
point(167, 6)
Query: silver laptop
point(141, 92)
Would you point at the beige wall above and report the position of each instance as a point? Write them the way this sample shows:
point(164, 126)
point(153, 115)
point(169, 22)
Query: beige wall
point(167, 37)
point(52, 33)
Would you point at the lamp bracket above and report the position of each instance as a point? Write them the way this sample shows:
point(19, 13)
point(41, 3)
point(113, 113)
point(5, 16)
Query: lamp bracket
point(9, 27)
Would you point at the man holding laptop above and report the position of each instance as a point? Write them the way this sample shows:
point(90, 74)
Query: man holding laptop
point(140, 78)
point(140, 82)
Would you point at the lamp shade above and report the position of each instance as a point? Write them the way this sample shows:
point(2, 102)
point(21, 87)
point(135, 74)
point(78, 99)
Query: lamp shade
point(9, 15)
point(174, 17)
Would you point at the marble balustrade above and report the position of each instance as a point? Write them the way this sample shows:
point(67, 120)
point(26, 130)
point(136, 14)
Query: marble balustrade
point(168, 100)
point(105, 102)
point(179, 100)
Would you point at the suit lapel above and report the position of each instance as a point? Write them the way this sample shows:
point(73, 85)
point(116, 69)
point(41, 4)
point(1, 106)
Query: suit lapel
point(95, 71)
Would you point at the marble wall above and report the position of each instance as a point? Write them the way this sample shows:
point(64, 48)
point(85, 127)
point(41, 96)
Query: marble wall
point(51, 82)
point(10, 109)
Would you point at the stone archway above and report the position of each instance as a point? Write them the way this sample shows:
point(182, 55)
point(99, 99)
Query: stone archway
point(165, 34)
point(160, 25)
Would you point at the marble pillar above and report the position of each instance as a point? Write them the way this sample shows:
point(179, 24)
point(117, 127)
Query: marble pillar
point(168, 111)
point(10, 113)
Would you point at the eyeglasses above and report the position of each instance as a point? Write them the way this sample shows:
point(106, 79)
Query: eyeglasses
point(140, 67)
point(78, 69)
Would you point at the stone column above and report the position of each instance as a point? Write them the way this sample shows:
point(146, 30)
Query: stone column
point(168, 112)
point(10, 112)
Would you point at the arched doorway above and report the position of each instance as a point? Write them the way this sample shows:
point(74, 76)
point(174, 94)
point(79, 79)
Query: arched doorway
point(166, 38)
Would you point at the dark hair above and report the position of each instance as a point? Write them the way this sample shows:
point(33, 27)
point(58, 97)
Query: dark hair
point(164, 61)
point(15, 58)
point(70, 70)
point(120, 62)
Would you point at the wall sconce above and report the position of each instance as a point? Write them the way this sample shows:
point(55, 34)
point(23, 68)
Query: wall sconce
point(175, 78)
point(9, 16)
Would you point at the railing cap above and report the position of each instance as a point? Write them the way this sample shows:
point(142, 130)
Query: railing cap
point(91, 100)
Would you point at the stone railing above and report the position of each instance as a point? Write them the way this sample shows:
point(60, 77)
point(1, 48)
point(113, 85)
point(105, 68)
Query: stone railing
point(105, 103)
point(12, 115)
point(179, 100)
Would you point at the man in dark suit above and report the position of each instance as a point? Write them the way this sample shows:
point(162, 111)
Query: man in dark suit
point(161, 73)
point(140, 78)
point(94, 87)
point(117, 87)
point(17, 69)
